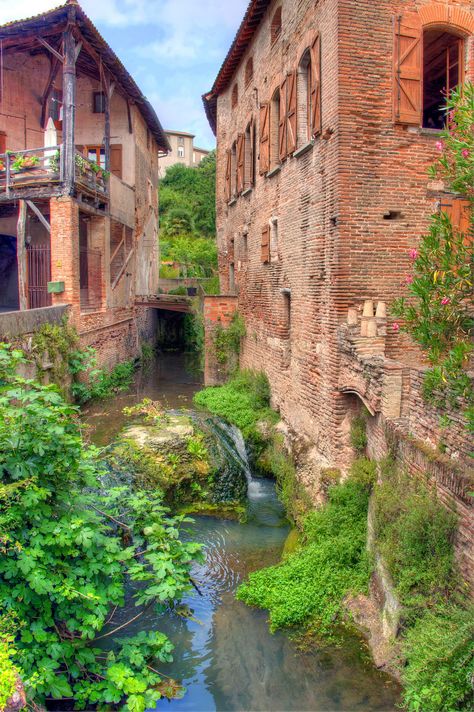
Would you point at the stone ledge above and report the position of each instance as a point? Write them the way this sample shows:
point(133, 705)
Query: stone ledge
point(274, 171)
point(17, 323)
point(304, 149)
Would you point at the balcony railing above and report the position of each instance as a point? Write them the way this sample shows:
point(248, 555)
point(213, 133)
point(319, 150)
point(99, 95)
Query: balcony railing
point(33, 166)
point(20, 170)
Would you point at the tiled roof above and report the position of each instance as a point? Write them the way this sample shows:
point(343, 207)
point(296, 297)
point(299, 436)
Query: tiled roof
point(59, 15)
point(248, 27)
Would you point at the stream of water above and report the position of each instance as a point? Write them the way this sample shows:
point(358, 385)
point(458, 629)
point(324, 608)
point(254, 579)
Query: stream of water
point(225, 655)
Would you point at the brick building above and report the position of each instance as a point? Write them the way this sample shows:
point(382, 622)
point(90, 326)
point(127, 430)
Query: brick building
point(79, 147)
point(326, 115)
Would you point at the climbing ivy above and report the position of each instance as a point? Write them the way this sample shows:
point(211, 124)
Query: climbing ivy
point(72, 534)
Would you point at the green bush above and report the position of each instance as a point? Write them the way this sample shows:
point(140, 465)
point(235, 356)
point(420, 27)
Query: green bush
point(97, 383)
point(414, 534)
point(311, 584)
point(358, 434)
point(439, 651)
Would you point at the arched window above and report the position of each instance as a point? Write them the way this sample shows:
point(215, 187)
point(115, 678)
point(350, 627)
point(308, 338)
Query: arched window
point(275, 28)
point(275, 130)
point(235, 96)
point(304, 98)
point(442, 72)
point(249, 71)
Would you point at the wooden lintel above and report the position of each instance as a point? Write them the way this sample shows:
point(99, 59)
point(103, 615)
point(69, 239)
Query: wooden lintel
point(21, 255)
point(51, 49)
point(39, 215)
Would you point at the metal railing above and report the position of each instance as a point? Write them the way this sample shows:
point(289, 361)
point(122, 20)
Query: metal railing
point(31, 166)
point(39, 274)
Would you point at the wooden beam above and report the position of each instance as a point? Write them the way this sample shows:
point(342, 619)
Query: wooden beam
point(69, 109)
point(78, 50)
point(107, 95)
point(51, 49)
point(129, 117)
point(53, 72)
point(21, 255)
point(39, 215)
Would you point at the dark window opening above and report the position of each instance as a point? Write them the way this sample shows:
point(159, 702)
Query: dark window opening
point(275, 130)
point(98, 104)
point(304, 99)
point(276, 25)
point(235, 95)
point(442, 72)
point(249, 71)
point(231, 278)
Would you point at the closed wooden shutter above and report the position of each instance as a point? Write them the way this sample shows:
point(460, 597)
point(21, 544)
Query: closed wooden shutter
point(407, 69)
point(228, 173)
point(315, 92)
point(252, 153)
point(116, 159)
point(460, 213)
point(240, 162)
point(282, 123)
point(265, 251)
point(3, 142)
point(291, 115)
point(264, 162)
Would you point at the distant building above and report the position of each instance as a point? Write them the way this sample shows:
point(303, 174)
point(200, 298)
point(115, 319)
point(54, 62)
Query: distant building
point(182, 151)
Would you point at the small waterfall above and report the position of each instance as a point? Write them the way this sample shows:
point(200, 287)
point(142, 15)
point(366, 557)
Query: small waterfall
point(233, 443)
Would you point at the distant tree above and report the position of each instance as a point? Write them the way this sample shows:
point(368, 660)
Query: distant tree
point(178, 221)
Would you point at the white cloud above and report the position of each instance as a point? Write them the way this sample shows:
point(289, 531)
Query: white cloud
point(24, 8)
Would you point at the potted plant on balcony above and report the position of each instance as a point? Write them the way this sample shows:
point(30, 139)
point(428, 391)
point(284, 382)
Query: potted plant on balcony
point(24, 163)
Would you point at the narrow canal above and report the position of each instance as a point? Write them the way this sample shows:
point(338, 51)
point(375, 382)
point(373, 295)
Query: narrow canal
point(225, 655)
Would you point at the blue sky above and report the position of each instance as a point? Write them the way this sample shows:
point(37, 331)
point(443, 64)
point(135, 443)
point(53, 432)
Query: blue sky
point(173, 48)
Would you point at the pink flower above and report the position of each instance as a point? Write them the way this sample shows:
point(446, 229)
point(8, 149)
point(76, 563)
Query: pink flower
point(439, 145)
point(465, 153)
point(396, 327)
point(413, 254)
point(445, 300)
point(409, 279)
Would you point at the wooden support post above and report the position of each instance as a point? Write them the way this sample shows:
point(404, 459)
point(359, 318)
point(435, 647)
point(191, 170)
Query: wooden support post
point(39, 215)
point(107, 96)
point(69, 108)
point(21, 255)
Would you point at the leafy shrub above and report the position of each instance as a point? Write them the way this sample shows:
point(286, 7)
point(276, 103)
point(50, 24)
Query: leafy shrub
point(364, 472)
point(8, 672)
point(226, 340)
point(414, 534)
point(439, 651)
point(169, 272)
point(69, 544)
point(310, 585)
point(98, 383)
point(358, 434)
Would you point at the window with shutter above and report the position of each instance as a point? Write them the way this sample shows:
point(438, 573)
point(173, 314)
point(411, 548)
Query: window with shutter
point(264, 161)
point(116, 159)
point(459, 211)
point(407, 99)
point(240, 162)
point(265, 244)
point(282, 113)
point(3, 142)
point(228, 168)
point(291, 115)
point(249, 166)
point(315, 93)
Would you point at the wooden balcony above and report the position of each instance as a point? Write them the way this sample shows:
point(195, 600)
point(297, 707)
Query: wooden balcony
point(39, 172)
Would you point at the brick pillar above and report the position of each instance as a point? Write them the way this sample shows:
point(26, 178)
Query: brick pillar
point(65, 252)
point(218, 310)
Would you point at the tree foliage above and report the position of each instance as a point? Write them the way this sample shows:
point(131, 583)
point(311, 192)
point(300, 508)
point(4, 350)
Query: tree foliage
point(71, 537)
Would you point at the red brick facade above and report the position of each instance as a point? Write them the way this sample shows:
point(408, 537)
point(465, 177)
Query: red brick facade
point(328, 229)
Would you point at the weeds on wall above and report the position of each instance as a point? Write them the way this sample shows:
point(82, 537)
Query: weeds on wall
point(226, 340)
point(358, 434)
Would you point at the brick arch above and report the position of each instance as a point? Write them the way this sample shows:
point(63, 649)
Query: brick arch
point(355, 391)
point(454, 18)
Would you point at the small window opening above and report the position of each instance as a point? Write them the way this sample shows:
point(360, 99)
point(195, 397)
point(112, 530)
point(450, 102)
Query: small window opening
point(442, 72)
point(249, 71)
point(274, 239)
point(235, 96)
point(244, 247)
point(286, 294)
point(249, 157)
point(275, 130)
point(231, 278)
point(233, 170)
point(98, 104)
point(180, 151)
point(304, 98)
point(393, 215)
point(275, 29)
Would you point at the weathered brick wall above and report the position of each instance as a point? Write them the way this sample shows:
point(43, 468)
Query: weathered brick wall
point(218, 312)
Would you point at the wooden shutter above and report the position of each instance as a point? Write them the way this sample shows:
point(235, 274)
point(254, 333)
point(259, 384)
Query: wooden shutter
point(228, 172)
point(264, 162)
point(315, 88)
point(407, 70)
point(459, 211)
point(3, 142)
point(251, 172)
point(116, 159)
point(282, 123)
point(240, 162)
point(291, 114)
point(265, 245)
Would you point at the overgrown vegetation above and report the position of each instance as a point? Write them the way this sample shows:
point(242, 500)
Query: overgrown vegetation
point(311, 584)
point(414, 534)
point(438, 312)
point(71, 536)
point(358, 433)
point(226, 341)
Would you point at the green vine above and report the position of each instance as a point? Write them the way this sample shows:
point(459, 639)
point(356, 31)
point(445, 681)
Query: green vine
point(226, 340)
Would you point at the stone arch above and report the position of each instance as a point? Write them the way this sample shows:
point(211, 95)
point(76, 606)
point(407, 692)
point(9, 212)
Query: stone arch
point(456, 19)
point(353, 390)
